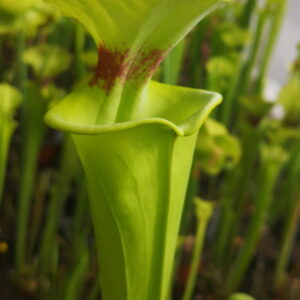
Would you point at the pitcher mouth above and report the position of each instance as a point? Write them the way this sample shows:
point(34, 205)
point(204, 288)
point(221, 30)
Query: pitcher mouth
point(184, 115)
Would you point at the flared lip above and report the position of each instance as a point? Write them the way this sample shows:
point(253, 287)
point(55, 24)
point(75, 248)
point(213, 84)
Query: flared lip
point(189, 126)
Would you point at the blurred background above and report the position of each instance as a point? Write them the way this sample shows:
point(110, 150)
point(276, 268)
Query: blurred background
point(285, 48)
point(240, 227)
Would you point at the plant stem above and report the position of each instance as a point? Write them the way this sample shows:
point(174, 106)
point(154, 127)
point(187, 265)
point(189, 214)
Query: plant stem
point(247, 14)
point(81, 212)
point(1, 62)
point(291, 218)
point(21, 75)
point(196, 77)
point(68, 168)
point(95, 290)
point(38, 209)
point(243, 72)
point(248, 67)
point(272, 160)
point(275, 26)
point(172, 64)
point(234, 195)
point(226, 218)
point(251, 141)
point(3, 159)
point(204, 211)
point(75, 282)
point(287, 243)
point(33, 132)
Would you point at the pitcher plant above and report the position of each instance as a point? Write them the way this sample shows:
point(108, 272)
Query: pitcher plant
point(135, 138)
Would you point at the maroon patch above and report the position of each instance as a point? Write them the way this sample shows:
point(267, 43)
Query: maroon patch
point(111, 65)
point(146, 64)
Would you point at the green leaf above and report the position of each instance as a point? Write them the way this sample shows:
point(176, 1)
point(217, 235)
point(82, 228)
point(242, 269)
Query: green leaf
point(90, 58)
point(216, 148)
point(256, 106)
point(47, 61)
point(240, 296)
point(39, 15)
point(15, 6)
point(233, 36)
point(29, 20)
point(10, 99)
point(220, 71)
point(277, 133)
point(289, 99)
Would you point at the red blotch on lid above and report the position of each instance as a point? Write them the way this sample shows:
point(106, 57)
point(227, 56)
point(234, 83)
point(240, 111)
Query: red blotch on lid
point(111, 65)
